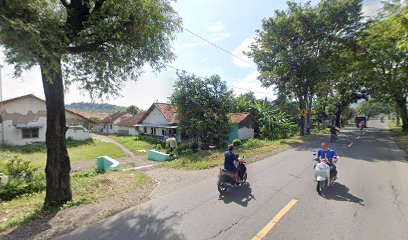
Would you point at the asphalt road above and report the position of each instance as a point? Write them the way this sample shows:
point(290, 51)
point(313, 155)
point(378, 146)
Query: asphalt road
point(369, 201)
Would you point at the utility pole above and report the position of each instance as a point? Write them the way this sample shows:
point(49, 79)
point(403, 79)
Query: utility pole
point(1, 110)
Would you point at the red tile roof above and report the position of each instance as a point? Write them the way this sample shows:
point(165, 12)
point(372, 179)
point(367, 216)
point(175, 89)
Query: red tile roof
point(90, 115)
point(133, 120)
point(113, 117)
point(169, 112)
point(239, 117)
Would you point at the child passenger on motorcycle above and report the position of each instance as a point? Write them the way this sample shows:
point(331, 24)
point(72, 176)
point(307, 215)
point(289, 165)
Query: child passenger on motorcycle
point(330, 155)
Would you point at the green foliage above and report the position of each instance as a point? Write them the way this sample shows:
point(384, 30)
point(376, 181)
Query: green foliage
point(132, 109)
point(372, 108)
point(296, 49)
point(237, 142)
point(203, 107)
point(96, 107)
point(386, 58)
point(21, 178)
point(148, 139)
point(194, 147)
point(158, 146)
point(274, 124)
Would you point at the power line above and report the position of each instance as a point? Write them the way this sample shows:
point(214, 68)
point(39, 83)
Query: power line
point(248, 90)
point(220, 48)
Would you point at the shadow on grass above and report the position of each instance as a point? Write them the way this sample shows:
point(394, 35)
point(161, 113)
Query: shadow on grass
point(240, 195)
point(32, 225)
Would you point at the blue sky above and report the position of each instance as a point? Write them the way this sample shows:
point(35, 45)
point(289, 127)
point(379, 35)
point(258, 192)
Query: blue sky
point(228, 23)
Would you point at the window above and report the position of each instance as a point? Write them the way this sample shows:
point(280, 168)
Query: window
point(163, 132)
point(110, 126)
point(30, 132)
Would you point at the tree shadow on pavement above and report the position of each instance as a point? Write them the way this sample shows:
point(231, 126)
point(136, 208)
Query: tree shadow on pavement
point(132, 224)
point(240, 195)
point(340, 192)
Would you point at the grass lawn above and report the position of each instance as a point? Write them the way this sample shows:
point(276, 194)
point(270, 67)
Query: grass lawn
point(77, 150)
point(400, 136)
point(87, 186)
point(133, 143)
point(254, 149)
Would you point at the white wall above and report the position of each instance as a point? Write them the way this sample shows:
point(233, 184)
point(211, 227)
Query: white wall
point(132, 130)
point(14, 136)
point(245, 133)
point(77, 134)
point(155, 117)
point(18, 111)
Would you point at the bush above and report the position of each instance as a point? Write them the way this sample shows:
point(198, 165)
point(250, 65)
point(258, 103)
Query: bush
point(159, 146)
point(148, 139)
point(22, 178)
point(237, 142)
point(194, 147)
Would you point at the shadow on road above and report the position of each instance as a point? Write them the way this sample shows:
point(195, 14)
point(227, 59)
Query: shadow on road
point(240, 195)
point(340, 192)
point(131, 224)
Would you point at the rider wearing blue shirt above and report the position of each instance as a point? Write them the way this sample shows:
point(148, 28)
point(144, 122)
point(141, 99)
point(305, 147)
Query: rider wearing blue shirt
point(329, 155)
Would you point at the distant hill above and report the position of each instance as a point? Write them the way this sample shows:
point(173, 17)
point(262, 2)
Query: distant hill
point(96, 107)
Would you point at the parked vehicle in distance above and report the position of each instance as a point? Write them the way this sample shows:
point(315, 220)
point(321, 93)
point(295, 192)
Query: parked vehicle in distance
point(360, 121)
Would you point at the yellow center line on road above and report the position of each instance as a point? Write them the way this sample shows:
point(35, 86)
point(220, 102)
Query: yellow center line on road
point(261, 234)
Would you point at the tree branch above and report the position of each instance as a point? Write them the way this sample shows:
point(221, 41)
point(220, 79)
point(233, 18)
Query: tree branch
point(64, 3)
point(86, 48)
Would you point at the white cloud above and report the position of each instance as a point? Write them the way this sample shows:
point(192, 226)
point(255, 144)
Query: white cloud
point(239, 51)
point(251, 83)
point(216, 27)
point(371, 7)
point(216, 33)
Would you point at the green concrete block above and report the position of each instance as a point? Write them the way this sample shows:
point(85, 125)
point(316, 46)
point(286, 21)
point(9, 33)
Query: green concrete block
point(158, 156)
point(105, 163)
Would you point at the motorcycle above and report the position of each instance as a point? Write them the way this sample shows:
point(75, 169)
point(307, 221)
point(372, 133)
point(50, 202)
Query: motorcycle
point(333, 138)
point(227, 180)
point(322, 174)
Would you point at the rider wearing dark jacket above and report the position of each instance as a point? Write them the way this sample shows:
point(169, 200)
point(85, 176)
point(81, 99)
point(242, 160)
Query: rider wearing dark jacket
point(230, 158)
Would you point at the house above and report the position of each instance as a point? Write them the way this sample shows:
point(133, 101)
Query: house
point(161, 121)
point(127, 125)
point(23, 121)
point(242, 126)
point(110, 124)
point(94, 117)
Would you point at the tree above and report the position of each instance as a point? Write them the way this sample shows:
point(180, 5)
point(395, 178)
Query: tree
point(295, 48)
point(203, 106)
point(372, 108)
point(95, 43)
point(132, 109)
point(387, 61)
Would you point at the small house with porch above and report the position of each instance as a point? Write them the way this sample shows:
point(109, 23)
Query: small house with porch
point(160, 121)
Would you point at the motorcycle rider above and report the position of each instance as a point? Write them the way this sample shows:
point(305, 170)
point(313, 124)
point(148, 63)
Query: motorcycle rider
point(230, 160)
point(333, 131)
point(330, 155)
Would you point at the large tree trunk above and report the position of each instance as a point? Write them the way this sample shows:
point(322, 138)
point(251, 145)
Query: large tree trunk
point(339, 111)
point(309, 115)
point(58, 165)
point(402, 109)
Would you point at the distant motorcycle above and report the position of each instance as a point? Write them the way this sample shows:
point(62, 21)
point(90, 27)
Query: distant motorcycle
point(333, 138)
point(226, 180)
point(322, 174)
